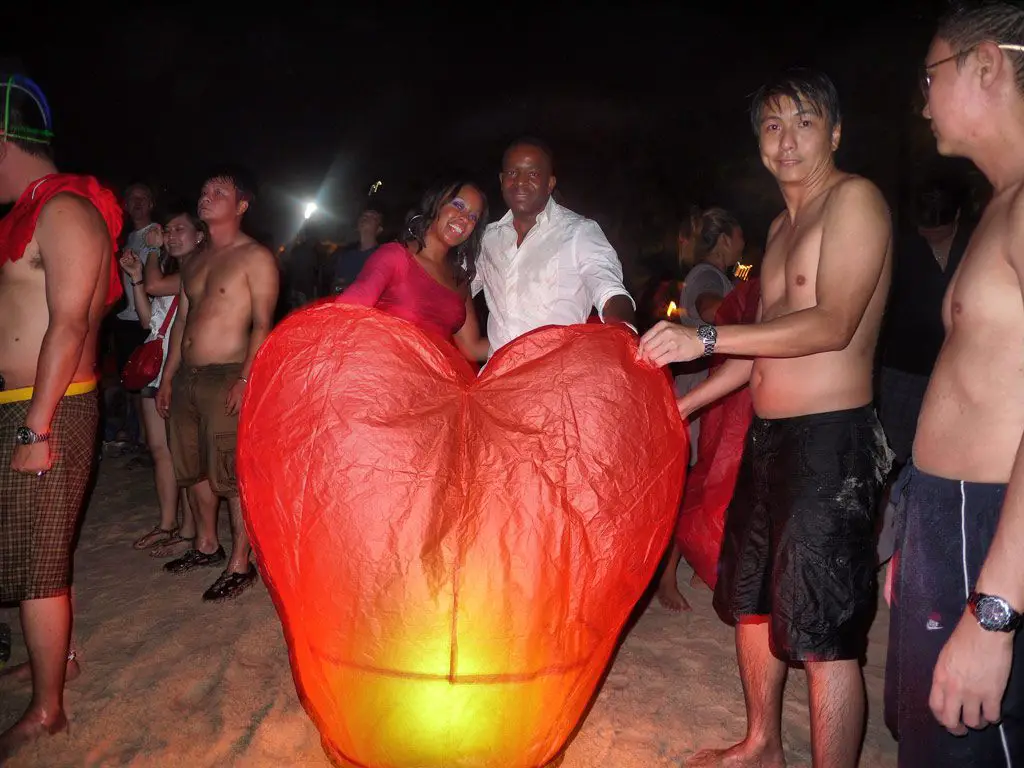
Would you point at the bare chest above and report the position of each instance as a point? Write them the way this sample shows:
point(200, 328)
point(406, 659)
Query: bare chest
point(984, 295)
point(25, 273)
point(213, 278)
point(788, 274)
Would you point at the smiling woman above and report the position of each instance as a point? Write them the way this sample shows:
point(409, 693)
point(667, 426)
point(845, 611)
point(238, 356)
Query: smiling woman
point(424, 278)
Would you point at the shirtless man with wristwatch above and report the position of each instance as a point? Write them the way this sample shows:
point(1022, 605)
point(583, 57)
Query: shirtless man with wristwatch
point(797, 569)
point(58, 279)
point(955, 672)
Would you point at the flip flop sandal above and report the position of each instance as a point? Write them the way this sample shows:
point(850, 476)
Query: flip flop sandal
point(175, 539)
point(155, 538)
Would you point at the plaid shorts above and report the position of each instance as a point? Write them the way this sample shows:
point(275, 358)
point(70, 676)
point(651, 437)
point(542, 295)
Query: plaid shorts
point(38, 515)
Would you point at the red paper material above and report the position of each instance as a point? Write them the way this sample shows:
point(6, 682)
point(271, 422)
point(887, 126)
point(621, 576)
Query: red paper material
point(453, 557)
point(723, 432)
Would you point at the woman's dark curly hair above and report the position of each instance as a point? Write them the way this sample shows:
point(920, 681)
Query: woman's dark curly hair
point(461, 259)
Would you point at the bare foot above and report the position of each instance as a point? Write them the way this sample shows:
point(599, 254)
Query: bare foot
point(670, 597)
point(23, 672)
point(31, 727)
point(173, 548)
point(155, 537)
point(738, 756)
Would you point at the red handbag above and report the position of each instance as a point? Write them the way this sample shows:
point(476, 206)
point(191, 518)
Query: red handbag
point(145, 362)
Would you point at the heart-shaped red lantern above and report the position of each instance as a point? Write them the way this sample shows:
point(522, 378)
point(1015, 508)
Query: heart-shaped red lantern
point(453, 557)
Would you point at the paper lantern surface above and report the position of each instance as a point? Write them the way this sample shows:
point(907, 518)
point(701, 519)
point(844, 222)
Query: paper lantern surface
point(453, 557)
point(723, 434)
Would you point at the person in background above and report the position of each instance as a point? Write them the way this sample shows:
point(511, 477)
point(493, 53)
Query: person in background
point(349, 261)
point(156, 302)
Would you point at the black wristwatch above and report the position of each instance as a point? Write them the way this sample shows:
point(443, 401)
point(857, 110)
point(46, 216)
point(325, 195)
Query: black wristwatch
point(709, 335)
point(994, 613)
point(26, 436)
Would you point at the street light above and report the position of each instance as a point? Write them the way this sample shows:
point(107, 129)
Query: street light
point(310, 210)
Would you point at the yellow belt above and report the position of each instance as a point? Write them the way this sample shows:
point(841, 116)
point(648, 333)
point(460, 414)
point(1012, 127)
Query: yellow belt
point(25, 393)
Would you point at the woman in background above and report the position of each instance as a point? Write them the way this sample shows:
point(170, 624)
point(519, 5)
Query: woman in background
point(156, 288)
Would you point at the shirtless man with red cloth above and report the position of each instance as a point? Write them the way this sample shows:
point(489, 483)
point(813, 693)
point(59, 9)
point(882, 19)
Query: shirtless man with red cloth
point(57, 280)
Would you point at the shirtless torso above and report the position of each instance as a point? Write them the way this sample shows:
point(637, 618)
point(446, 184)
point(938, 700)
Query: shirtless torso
point(217, 307)
point(812, 475)
point(826, 381)
point(25, 304)
point(225, 312)
point(972, 420)
point(52, 300)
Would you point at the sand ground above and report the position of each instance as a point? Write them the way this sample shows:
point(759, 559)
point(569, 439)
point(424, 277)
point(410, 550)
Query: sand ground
point(170, 681)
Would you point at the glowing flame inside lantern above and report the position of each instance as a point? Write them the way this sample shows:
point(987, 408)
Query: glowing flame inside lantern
point(432, 710)
point(743, 271)
point(672, 311)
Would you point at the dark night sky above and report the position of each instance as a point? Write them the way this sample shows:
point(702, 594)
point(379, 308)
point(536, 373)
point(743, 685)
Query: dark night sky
point(644, 104)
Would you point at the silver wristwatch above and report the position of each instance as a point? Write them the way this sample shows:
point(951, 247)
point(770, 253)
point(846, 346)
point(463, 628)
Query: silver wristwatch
point(709, 335)
point(26, 436)
point(994, 613)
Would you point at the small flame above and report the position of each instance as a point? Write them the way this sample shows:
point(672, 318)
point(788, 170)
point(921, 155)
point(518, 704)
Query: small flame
point(743, 270)
point(672, 311)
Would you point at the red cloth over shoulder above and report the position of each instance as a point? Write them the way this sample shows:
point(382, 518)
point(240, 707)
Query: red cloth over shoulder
point(19, 225)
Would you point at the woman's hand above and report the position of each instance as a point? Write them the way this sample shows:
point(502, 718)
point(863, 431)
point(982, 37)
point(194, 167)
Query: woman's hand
point(132, 265)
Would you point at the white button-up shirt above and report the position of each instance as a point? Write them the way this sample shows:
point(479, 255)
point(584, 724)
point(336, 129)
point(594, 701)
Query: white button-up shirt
point(564, 267)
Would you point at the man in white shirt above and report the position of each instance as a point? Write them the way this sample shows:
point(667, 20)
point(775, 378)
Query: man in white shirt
point(542, 264)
